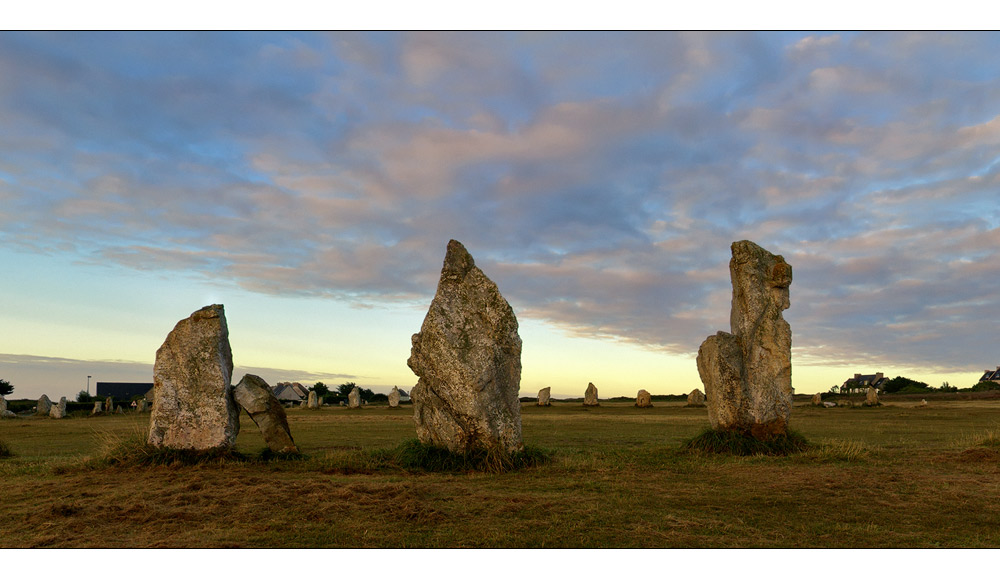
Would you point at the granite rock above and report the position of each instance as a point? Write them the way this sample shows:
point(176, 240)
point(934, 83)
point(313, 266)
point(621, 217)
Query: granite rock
point(545, 396)
point(590, 396)
point(643, 399)
point(255, 396)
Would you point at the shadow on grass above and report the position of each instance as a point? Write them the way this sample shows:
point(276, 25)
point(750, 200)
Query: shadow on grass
point(410, 455)
point(740, 444)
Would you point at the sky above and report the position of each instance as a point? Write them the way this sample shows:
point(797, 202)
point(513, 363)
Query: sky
point(310, 182)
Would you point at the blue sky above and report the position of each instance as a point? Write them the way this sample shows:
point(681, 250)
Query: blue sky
point(310, 182)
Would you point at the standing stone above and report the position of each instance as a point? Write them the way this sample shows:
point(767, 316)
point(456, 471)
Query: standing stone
point(255, 396)
point(4, 413)
point(394, 398)
point(44, 406)
point(696, 399)
point(143, 406)
point(544, 396)
point(871, 397)
point(98, 407)
point(193, 406)
point(58, 410)
point(643, 399)
point(590, 396)
point(109, 404)
point(354, 398)
point(817, 399)
point(748, 373)
point(468, 357)
point(313, 401)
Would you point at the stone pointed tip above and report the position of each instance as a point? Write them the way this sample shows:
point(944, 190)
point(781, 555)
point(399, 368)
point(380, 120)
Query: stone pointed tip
point(457, 260)
point(212, 311)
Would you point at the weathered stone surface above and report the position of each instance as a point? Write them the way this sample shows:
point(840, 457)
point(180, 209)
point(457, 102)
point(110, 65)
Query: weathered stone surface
point(829, 404)
point(58, 410)
point(817, 399)
point(748, 373)
point(255, 396)
point(98, 407)
point(4, 413)
point(313, 400)
point(354, 398)
point(696, 399)
point(590, 395)
point(193, 406)
point(109, 404)
point(545, 396)
point(44, 406)
point(143, 405)
point(394, 398)
point(468, 357)
point(871, 397)
point(643, 399)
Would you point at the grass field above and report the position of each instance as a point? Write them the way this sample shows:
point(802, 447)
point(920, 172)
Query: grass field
point(895, 476)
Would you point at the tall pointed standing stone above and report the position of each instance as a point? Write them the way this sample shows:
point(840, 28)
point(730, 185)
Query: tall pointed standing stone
point(696, 399)
point(468, 358)
point(394, 398)
point(313, 400)
point(193, 406)
point(354, 398)
point(590, 395)
point(748, 373)
point(545, 396)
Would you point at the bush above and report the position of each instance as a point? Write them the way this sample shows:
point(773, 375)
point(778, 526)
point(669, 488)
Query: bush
point(899, 382)
point(985, 386)
point(742, 444)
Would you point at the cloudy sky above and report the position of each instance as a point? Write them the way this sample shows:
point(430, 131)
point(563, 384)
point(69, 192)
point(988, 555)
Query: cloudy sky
point(310, 182)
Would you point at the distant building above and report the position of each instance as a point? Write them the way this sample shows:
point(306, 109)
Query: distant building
point(123, 390)
point(290, 391)
point(861, 382)
point(991, 375)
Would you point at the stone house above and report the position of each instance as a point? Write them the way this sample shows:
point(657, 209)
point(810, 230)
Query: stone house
point(290, 392)
point(991, 375)
point(860, 383)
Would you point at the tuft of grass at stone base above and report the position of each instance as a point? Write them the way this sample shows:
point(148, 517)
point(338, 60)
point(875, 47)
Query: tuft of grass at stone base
point(739, 444)
point(5, 450)
point(415, 455)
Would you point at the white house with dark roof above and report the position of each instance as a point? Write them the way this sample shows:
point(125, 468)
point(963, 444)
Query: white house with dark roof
point(861, 382)
point(290, 391)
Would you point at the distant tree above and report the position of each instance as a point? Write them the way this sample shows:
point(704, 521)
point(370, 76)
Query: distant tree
point(946, 387)
point(379, 398)
point(84, 396)
point(899, 383)
point(6, 388)
point(986, 385)
point(834, 389)
point(345, 388)
point(320, 389)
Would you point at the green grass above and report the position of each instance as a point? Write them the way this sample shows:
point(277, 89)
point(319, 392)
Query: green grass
point(614, 476)
point(740, 444)
point(5, 451)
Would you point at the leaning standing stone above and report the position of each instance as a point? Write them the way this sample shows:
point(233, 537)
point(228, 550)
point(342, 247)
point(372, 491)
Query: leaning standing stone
point(44, 406)
point(468, 357)
point(255, 396)
point(193, 406)
point(748, 373)
point(643, 399)
point(544, 396)
point(58, 410)
point(354, 398)
point(696, 399)
point(590, 395)
point(394, 398)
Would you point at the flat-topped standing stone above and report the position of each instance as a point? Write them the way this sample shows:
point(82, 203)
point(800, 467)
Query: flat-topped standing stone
point(468, 358)
point(255, 396)
point(313, 401)
point(354, 398)
point(643, 399)
point(544, 396)
point(44, 406)
point(748, 373)
point(193, 406)
point(817, 399)
point(394, 398)
point(696, 399)
point(590, 395)
point(4, 413)
point(58, 410)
